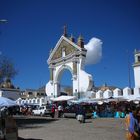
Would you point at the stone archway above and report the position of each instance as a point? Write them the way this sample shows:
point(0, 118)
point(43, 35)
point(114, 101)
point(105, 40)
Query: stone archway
point(59, 76)
point(71, 56)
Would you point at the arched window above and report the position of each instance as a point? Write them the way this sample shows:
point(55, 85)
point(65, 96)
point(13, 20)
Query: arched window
point(42, 100)
point(38, 100)
point(33, 100)
point(101, 94)
point(63, 52)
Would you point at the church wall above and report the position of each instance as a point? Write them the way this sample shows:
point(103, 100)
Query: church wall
point(137, 76)
point(126, 92)
point(137, 91)
point(49, 89)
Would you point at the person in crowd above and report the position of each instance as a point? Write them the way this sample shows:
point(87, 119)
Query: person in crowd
point(138, 119)
point(2, 122)
point(131, 125)
point(60, 111)
point(53, 111)
point(81, 116)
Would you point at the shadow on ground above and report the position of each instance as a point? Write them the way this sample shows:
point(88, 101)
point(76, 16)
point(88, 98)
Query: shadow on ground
point(32, 122)
point(19, 138)
point(88, 121)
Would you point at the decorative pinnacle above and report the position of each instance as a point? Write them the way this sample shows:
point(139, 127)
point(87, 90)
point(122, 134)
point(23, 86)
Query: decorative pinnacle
point(80, 37)
point(65, 30)
point(80, 41)
point(72, 38)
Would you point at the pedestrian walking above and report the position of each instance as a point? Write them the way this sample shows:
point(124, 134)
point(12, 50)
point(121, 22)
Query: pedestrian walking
point(60, 111)
point(80, 114)
point(131, 126)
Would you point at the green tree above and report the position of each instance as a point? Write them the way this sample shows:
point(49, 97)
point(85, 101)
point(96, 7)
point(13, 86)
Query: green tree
point(7, 69)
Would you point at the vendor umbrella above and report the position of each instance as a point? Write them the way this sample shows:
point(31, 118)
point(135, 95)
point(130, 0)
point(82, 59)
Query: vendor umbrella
point(6, 102)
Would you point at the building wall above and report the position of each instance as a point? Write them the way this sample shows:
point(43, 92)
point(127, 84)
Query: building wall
point(11, 94)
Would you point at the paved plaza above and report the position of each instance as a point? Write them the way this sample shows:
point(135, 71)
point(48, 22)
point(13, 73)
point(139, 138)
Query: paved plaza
point(45, 128)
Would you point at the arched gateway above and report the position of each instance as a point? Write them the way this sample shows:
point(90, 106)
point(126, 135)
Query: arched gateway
point(71, 56)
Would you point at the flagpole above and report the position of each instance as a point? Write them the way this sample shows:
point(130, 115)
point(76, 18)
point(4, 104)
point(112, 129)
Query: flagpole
point(128, 65)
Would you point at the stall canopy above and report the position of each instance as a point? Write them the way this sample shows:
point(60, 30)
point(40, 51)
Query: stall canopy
point(6, 102)
point(63, 98)
point(116, 99)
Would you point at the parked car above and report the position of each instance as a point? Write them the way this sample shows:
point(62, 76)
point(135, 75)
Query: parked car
point(42, 110)
point(71, 111)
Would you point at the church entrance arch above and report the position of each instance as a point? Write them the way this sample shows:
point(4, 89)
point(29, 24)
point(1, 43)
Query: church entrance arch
point(71, 56)
point(59, 75)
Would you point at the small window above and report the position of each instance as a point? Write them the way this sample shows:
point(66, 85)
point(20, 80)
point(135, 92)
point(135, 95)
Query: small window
point(138, 58)
point(132, 91)
point(37, 100)
point(30, 93)
point(42, 94)
point(43, 100)
point(93, 95)
point(119, 93)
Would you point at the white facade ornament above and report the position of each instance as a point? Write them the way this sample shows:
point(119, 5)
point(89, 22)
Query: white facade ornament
point(99, 94)
point(117, 93)
point(107, 94)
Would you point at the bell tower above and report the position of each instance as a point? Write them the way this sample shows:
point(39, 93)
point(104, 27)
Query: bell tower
point(136, 66)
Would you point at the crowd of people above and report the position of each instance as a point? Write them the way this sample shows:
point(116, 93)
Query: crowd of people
point(130, 111)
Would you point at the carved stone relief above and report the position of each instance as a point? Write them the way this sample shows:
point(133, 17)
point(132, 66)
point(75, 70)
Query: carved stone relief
point(63, 46)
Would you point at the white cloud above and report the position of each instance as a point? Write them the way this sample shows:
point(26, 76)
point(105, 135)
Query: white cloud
point(94, 51)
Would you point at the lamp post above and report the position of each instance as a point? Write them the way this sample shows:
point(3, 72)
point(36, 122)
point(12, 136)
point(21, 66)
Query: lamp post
point(3, 21)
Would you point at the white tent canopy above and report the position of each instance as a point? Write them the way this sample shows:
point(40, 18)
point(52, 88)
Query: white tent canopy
point(63, 98)
point(6, 102)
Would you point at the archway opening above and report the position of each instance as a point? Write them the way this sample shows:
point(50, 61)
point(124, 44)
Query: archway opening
point(65, 82)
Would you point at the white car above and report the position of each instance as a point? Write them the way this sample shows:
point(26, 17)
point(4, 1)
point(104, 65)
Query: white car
point(39, 111)
point(42, 110)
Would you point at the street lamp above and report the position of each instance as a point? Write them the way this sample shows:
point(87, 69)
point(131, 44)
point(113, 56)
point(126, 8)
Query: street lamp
point(3, 21)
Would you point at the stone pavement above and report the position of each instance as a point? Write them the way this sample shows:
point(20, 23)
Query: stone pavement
point(71, 129)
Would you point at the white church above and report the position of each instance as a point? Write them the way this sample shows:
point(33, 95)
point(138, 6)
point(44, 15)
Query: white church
point(71, 56)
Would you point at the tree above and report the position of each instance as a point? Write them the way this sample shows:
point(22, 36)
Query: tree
point(7, 69)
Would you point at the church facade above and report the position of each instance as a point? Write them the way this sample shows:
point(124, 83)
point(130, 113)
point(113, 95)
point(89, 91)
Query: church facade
point(71, 56)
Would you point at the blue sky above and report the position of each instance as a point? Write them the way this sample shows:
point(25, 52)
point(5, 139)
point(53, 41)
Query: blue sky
point(35, 26)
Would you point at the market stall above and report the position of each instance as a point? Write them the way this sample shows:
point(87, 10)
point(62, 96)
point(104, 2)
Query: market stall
point(8, 127)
